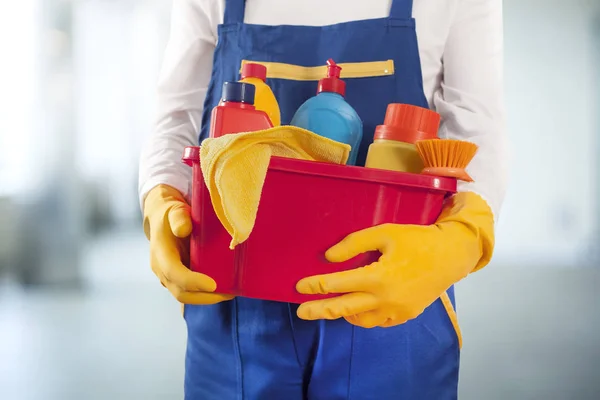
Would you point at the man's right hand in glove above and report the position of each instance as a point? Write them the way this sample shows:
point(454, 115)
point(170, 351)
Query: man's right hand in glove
point(167, 224)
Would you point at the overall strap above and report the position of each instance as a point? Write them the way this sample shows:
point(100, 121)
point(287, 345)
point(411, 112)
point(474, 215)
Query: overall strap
point(234, 11)
point(401, 9)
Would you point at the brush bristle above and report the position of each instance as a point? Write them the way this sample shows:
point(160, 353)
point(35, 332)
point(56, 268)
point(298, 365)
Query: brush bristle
point(446, 153)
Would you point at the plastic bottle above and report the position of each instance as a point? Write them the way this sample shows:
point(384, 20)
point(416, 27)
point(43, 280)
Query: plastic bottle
point(264, 99)
point(236, 112)
point(329, 115)
point(393, 147)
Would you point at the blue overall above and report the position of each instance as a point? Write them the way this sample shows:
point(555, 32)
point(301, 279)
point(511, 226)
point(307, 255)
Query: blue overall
point(260, 350)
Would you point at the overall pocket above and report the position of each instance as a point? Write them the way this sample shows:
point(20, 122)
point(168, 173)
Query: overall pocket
point(445, 298)
point(293, 72)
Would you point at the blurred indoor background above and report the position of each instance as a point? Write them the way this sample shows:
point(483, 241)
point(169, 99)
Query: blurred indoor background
point(81, 314)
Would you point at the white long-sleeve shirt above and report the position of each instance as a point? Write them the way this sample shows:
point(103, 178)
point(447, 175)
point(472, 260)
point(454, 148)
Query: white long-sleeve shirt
point(461, 51)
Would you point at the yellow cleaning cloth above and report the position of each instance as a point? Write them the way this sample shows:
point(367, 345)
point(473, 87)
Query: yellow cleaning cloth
point(235, 166)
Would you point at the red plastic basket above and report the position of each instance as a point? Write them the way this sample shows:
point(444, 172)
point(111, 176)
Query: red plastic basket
point(305, 208)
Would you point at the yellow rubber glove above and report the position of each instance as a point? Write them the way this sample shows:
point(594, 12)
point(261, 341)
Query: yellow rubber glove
point(167, 224)
point(417, 265)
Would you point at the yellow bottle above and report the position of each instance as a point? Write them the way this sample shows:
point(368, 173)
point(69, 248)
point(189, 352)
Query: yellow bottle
point(393, 146)
point(264, 99)
point(394, 156)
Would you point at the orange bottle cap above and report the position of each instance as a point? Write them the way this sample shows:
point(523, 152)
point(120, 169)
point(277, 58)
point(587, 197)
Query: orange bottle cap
point(408, 123)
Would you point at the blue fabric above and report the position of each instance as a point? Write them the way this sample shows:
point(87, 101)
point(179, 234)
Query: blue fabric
point(253, 349)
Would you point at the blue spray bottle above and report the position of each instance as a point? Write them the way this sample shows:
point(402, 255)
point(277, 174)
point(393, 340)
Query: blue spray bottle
point(329, 115)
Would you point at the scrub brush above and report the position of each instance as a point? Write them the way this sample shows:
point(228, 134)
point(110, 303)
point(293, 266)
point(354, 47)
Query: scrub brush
point(446, 157)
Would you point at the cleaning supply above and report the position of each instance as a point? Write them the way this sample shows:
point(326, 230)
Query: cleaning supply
point(167, 224)
point(447, 157)
point(264, 99)
point(329, 115)
point(236, 112)
point(234, 168)
point(418, 264)
point(393, 147)
point(322, 196)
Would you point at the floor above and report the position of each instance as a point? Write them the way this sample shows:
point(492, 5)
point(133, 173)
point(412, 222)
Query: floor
point(528, 333)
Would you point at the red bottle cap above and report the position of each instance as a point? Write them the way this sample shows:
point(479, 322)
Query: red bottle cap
point(408, 123)
point(332, 83)
point(252, 70)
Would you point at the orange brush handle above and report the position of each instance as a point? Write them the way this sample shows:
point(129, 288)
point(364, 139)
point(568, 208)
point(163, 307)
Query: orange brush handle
point(457, 173)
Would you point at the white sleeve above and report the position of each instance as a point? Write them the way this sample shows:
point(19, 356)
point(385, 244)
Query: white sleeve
point(470, 99)
point(182, 87)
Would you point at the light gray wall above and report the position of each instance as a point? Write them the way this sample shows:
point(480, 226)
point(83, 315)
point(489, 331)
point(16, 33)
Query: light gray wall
point(551, 209)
